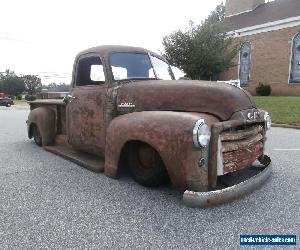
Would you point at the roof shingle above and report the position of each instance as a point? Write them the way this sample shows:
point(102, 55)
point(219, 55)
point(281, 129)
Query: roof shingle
point(268, 12)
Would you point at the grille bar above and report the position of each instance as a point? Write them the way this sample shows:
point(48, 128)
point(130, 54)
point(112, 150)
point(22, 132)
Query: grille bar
point(241, 134)
point(241, 148)
point(214, 150)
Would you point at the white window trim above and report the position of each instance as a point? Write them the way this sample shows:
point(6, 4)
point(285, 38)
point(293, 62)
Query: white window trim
point(250, 63)
point(291, 57)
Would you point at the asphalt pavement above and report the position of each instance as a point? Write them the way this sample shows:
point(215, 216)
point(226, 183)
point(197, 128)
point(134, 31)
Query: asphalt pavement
point(47, 202)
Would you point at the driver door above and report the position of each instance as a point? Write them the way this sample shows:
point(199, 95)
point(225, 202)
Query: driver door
point(85, 109)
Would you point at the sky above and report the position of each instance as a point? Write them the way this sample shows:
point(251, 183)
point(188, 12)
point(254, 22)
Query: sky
point(43, 37)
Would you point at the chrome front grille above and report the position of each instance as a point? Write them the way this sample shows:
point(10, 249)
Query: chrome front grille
point(240, 148)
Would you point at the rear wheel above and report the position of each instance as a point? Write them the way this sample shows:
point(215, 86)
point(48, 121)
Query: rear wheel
point(146, 165)
point(36, 135)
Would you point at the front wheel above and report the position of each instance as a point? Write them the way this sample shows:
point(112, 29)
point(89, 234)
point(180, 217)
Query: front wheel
point(146, 165)
point(36, 135)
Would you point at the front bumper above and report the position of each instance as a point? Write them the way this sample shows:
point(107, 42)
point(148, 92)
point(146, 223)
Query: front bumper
point(217, 197)
point(217, 193)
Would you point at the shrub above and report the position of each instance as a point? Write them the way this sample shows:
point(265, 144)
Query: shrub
point(263, 89)
point(30, 98)
point(19, 97)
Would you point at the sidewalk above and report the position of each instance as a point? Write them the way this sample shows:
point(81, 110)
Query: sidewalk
point(16, 107)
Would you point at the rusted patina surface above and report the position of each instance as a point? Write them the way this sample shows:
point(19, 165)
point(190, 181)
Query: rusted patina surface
point(170, 134)
point(46, 102)
point(241, 134)
point(236, 160)
point(219, 99)
point(230, 146)
point(239, 153)
point(102, 119)
point(86, 130)
point(86, 160)
point(241, 148)
point(104, 52)
point(45, 119)
point(61, 120)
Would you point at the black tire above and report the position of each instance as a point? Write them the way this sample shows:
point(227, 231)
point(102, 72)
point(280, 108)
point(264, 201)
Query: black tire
point(8, 104)
point(36, 135)
point(146, 165)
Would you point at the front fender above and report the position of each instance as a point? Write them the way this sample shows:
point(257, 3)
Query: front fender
point(44, 119)
point(170, 134)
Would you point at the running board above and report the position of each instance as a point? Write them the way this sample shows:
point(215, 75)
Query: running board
point(91, 162)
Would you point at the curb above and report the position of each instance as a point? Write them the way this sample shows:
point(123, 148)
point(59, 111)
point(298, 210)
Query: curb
point(285, 126)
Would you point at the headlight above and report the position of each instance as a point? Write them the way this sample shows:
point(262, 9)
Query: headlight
point(201, 134)
point(268, 121)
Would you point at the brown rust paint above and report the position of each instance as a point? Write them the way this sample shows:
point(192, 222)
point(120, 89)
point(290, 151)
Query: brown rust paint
point(242, 159)
point(217, 129)
point(219, 99)
point(241, 148)
point(163, 116)
point(44, 118)
point(241, 134)
point(170, 133)
point(86, 120)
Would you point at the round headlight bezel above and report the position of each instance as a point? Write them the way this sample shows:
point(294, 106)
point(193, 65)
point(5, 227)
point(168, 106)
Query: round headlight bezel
point(268, 121)
point(201, 134)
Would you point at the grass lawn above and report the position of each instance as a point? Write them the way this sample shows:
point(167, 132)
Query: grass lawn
point(283, 109)
point(20, 102)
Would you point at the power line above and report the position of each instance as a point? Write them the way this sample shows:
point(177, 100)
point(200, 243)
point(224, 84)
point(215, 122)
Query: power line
point(11, 37)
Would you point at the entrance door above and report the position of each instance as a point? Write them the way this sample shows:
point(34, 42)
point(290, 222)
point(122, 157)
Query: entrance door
point(295, 63)
point(86, 130)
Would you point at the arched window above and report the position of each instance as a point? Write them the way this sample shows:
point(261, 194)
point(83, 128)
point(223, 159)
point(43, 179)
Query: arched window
point(245, 63)
point(295, 60)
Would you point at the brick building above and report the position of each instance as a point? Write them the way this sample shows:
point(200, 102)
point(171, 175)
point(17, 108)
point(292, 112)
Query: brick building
point(269, 34)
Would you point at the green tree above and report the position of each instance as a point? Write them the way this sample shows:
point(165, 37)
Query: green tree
point(11, 84)
point(61, 87)
point(52, 85)
point(201, 51)
point(33, 84)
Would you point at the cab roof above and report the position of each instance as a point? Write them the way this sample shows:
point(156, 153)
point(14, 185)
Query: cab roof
point(106, 50)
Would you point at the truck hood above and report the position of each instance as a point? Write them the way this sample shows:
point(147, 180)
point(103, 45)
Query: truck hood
point(218, 99)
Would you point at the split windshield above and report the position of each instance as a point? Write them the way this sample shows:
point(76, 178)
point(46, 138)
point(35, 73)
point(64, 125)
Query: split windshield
point(126, 66)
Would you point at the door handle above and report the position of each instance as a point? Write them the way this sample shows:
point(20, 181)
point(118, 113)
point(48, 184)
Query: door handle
point(69, 98)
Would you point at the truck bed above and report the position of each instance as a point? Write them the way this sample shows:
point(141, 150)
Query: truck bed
point(47, 102)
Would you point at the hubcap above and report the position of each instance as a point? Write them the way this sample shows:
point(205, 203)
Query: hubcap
point(146, 156)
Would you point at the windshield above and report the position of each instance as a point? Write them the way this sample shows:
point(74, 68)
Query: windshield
point(139, 66)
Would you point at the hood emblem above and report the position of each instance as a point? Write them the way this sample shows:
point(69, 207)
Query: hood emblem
point(126, 107)
point(253, 115)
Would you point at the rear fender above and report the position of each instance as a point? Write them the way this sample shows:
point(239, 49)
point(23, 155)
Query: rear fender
point(170, 134)
point(44, 119)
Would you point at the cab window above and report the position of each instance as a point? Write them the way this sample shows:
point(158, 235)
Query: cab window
point(90, 72)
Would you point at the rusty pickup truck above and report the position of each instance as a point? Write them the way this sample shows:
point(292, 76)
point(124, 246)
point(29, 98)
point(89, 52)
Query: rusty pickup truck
point(126, 109)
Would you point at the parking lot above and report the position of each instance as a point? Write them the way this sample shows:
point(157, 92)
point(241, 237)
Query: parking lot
point(49, 202)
